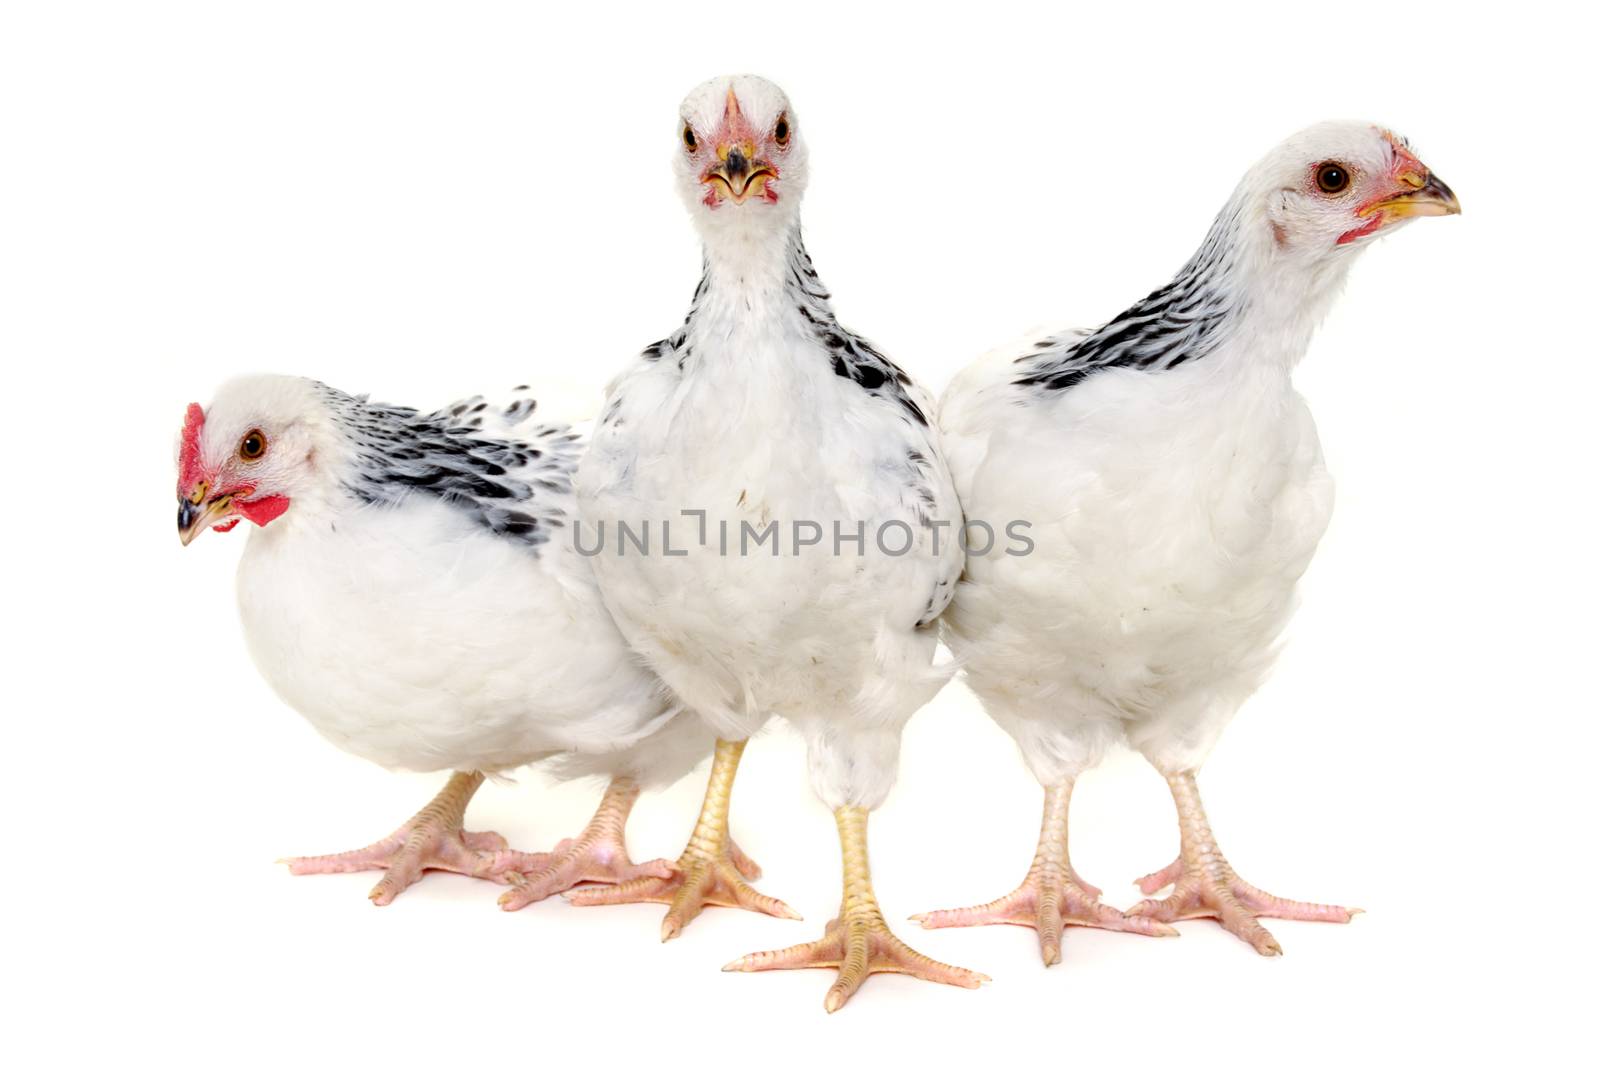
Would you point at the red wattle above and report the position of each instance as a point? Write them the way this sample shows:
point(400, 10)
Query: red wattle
point(261, 511)
point(1361, 231)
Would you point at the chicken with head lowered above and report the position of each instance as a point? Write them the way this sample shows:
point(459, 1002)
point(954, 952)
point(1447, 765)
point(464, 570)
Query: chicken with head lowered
point(411, 587)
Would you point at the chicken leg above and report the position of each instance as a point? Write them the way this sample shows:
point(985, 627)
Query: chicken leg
point(432, 839)
point(712, 869)
point(598, 854)
point(858, 943)
point(1204, 885)
point(1052, 894)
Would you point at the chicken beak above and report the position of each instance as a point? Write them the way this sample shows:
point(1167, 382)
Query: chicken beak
point(738, 171)
point(1426, 196)
point(194, 517)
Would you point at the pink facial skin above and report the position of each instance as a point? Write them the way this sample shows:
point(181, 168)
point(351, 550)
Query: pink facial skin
point(1406, 174)
point(735, 132)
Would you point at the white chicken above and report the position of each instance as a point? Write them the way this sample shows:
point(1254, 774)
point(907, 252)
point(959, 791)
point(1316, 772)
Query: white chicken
point(791, 491)
point(411, 588)
point(1176, 492)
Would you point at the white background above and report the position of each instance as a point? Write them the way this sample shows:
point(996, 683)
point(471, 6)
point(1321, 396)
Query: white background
point(426, 202)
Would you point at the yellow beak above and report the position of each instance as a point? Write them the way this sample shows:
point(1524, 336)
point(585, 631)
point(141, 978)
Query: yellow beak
point(738, 171)
point(1428, 196)
point(194, 518)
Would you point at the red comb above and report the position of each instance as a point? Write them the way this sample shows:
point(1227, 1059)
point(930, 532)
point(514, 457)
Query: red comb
point(189, 471)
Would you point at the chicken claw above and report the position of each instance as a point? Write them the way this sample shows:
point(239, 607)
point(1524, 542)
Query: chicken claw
point(1205, 886)
point(599, 854)
point(858, 943)
point(432, 839)
point(1051, 896)
point(713, 870)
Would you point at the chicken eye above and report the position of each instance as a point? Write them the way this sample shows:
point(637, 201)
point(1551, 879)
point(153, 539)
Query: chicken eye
point(689, 140)
point(780, 132)
point(1332, 178)
point(253, 446)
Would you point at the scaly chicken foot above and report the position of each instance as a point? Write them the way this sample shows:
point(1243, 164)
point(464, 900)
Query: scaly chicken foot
point(598, 854)
point(713, 870)
point(1205, 886)
point(859, 942)
point(432, 839)
point(1051, 896)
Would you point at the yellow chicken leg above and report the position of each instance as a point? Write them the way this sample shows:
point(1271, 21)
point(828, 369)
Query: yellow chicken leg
point(858, 943)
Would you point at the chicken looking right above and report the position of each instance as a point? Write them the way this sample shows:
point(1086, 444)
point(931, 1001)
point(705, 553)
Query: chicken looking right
point(1176, 491)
